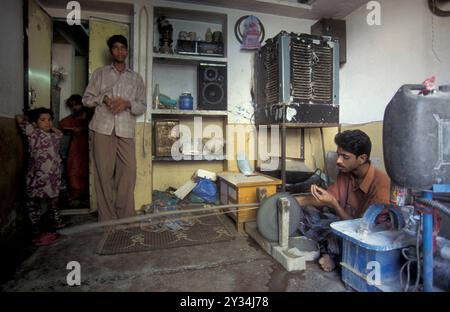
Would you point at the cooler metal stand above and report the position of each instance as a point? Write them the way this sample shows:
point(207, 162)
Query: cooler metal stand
point(428, 246)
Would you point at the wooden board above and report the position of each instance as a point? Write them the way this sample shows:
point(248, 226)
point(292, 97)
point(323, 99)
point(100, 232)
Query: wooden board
point(239, 179)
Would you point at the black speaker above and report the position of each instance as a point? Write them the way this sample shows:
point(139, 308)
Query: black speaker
point(212, 86)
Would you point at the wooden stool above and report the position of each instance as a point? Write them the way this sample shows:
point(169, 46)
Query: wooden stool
point(237, 188)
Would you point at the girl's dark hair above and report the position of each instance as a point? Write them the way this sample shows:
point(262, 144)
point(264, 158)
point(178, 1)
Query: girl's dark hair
point(117, 38)
point(355, 142)
point(34, 114)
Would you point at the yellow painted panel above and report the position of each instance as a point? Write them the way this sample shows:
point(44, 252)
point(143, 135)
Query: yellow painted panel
point(143, 189)
point(247, 195)
point(39, 55)
point(314, 156)
point(293, 143)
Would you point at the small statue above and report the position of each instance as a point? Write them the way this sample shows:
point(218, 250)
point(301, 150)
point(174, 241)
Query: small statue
point(208, 35)
point(165, 30)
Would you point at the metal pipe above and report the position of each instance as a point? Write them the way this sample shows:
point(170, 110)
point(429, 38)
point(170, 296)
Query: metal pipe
point(428, 246)
point(323, 152)
point(434, 204)
point(146, 217)
point(302, 145)
point(283, 155)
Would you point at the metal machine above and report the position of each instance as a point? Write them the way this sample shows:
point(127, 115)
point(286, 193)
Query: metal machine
point(297, 80)
point(296, 85)
point(278, 217)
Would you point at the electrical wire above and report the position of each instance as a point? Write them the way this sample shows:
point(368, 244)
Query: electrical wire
point(434, 204)
point(404, 285)
point(418, 253)
point(409, 260)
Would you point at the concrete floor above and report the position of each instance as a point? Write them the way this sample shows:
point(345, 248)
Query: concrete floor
point(238, 265)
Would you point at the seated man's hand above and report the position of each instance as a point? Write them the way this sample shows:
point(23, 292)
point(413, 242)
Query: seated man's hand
point(323, 196)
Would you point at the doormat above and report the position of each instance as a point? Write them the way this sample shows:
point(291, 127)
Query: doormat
point(166, 234)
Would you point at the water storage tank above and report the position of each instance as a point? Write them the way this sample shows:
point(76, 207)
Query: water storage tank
point(416, 137)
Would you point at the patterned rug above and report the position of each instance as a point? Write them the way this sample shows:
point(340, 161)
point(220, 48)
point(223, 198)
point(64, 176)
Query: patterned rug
point(166, 234)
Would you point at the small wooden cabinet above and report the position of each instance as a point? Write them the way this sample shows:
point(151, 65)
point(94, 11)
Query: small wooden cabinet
point(236, 188)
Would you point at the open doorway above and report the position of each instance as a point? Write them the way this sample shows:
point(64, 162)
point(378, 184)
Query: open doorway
point(70, 53)
point(70, 59)
point(59, 59)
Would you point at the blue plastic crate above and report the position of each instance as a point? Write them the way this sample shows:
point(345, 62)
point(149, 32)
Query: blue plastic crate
point(359, 249)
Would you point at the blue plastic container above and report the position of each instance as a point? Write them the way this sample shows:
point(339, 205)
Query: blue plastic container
point(359, 249)
point(186, 101)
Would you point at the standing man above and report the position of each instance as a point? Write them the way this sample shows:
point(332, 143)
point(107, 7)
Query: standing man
point(118, 95)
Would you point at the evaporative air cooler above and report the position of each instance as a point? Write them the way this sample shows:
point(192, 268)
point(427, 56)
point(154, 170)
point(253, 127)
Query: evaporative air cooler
point(297, 80)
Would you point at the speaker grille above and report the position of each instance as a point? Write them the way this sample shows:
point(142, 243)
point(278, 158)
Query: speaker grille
point(213, 92)
point(212, 85)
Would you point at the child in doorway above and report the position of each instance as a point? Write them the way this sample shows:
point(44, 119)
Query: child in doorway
point(43, 178)
point(76, 125)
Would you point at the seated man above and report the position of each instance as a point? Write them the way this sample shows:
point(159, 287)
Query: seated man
point(358, 185)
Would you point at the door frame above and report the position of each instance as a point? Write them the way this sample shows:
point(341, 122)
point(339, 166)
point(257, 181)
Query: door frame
point(26, 99)
point(26, 64)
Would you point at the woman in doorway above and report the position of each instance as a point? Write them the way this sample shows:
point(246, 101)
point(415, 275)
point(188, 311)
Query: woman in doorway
point(76, 125)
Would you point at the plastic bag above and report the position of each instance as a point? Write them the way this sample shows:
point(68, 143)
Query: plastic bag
point(207, 190)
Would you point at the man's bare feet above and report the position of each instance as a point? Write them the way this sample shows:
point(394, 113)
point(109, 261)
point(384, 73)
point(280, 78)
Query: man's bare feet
point(327, 263)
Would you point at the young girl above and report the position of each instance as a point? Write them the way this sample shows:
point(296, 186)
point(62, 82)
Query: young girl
point(43, 178)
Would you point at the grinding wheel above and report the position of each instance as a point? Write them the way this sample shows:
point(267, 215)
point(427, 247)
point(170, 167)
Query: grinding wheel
point(267, 216)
